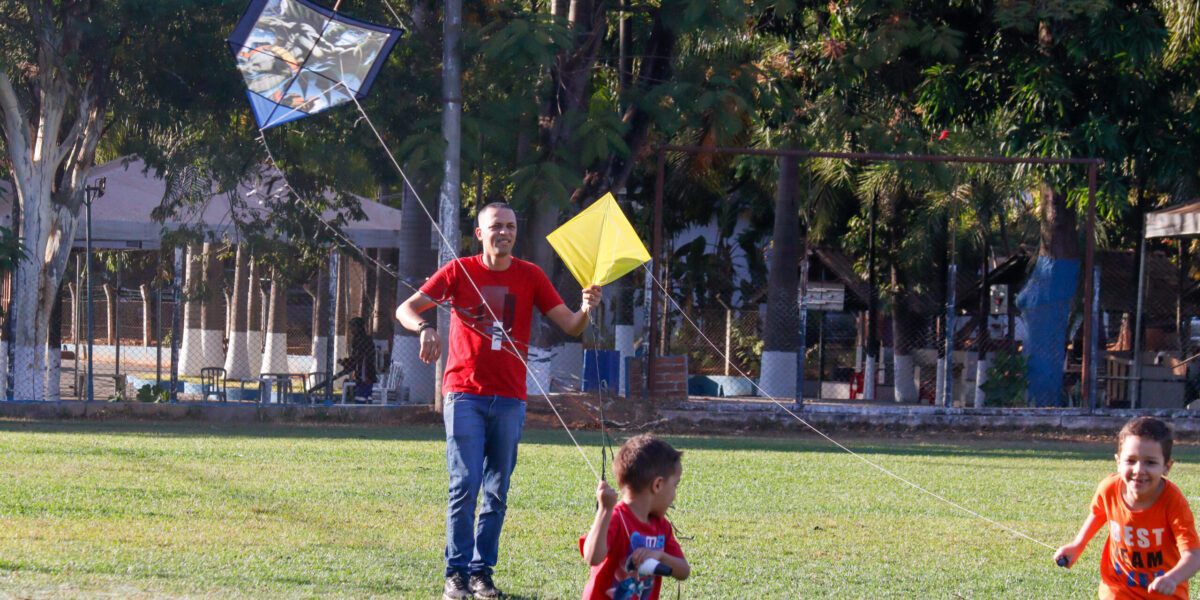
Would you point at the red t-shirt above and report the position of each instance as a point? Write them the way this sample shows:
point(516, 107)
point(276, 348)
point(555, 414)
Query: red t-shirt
point(609, 580)
point(483, 360)
point(1142, 544)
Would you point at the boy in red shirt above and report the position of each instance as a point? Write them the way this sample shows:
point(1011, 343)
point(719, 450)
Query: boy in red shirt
point(1152, 548)
point(631, 543)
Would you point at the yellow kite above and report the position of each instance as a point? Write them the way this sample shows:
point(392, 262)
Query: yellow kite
point(599, 244)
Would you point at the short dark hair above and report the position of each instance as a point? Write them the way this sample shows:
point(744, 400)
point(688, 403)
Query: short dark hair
point(493, 206)
point(1151, 429)
point(642, 459)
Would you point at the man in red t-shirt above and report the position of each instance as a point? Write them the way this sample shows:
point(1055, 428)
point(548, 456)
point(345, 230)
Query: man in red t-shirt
point(492, 296)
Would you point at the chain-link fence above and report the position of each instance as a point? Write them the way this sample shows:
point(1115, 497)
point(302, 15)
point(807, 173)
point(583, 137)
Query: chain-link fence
point(238, 332)
point(246, 334)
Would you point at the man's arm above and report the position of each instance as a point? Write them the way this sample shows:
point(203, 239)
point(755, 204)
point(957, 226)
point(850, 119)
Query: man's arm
point(409, 316)
point(575, 322)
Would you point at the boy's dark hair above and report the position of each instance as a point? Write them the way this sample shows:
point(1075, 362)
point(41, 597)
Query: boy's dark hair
point(642, 459)
point(1151, 429)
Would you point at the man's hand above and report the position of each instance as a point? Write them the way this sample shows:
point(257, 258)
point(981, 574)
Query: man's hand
point(591, 298)
point(605, 495)
point(431, 345)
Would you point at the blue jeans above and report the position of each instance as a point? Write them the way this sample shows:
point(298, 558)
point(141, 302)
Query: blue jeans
point(481, 450)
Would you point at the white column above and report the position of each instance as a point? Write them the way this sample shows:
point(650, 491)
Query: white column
point(981, 369)
point(624, 336)
point(869, 376)
point(778, 379)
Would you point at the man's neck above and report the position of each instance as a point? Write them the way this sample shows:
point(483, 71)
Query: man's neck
point(497, 262)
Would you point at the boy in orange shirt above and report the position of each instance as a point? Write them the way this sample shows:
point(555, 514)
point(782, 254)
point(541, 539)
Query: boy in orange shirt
point(1152, 548)
point(631, 544)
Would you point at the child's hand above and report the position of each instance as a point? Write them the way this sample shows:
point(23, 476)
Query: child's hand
point(1163, 584)
point(605, 495)
point(1069, 552)
point(640, 555)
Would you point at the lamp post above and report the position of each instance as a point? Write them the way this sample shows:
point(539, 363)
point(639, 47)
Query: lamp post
point(90, 193)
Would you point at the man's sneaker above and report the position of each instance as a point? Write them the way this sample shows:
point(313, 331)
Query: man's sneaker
point(481, 585)
point(456, 588)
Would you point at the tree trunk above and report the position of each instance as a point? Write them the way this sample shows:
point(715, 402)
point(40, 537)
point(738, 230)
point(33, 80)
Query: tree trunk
point(417, 261)
point(382, 321)
point(254, 324)
point(110, 313)
point(320, 334)
point(274, 355)
point(212, 315)
point(781, 329)
point(191, 348)
point(907, 329)
point(54, 353)
point(48, 155)
point(147, 314)
point(1045, 301)
point(237, 358)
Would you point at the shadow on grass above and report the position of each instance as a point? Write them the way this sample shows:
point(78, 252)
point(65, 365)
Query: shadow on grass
point(808, 442)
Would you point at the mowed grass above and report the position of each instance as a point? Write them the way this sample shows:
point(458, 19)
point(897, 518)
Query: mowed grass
point(154, 510)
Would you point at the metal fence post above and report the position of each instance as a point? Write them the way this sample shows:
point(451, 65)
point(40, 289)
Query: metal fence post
point(948, 389)
point(176, 322)
point(1135, 391)
point(1091, 348)
point(803, 329)
point(158, 330)
point(331, 310)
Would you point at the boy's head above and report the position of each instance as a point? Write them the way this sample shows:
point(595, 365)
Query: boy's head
point(1148, 428)
point(648, 465)
point(1144, 455)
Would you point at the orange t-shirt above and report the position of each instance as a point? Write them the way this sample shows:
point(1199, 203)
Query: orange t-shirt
point(1142, 544)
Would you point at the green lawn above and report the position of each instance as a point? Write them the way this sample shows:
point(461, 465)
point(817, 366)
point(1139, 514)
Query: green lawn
point(170, 510)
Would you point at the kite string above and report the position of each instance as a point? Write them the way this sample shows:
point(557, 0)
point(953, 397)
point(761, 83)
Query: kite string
point(348, 243)
point(453, 253)
point(881, 468)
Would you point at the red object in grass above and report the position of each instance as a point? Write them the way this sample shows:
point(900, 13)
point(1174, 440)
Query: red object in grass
point(945, 133)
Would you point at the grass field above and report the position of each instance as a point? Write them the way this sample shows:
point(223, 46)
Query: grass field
point(91, 510)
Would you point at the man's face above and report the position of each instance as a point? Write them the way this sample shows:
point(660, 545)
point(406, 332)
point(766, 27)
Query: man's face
point(497, 230)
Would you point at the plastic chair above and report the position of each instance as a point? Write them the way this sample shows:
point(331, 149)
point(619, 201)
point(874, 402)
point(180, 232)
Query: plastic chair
point(212, 383)
point(315, 379)
point(277, 384)
point(391, 384)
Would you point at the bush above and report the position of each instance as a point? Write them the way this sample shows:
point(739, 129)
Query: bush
point(1006, 380)
point(152, 393)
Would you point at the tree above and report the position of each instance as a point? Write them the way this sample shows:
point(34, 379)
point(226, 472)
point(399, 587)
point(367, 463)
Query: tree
point(65, 69)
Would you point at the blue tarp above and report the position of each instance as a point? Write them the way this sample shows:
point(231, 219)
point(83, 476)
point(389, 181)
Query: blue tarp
point(1045, 303)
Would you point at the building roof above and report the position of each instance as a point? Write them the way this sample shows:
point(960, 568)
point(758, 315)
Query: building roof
point(1176, 221)
point(121, 217)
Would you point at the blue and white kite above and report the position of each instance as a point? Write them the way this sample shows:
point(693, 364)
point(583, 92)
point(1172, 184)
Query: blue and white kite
point(298, 58)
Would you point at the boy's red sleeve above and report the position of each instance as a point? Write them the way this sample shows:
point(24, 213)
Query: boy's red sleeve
point(611, 540)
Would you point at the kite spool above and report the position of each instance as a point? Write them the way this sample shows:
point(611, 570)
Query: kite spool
point(1063, 561)
point(650, 566)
